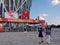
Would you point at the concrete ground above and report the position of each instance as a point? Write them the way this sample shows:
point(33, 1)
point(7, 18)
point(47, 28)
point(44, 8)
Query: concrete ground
point(18, 38)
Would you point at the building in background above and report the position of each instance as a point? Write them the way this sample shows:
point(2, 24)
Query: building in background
point(15, 15)
point(15, 8)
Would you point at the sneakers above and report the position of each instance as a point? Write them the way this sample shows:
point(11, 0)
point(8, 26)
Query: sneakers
point(39, 42)
point(47, 43)
point(42, 41)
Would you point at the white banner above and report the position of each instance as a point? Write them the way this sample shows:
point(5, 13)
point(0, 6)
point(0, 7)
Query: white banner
point(15, 15)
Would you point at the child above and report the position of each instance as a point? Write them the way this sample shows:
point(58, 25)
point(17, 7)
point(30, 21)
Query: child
point(48, 34)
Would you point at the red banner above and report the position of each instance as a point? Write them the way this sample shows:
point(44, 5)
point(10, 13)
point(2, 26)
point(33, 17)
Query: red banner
point(25, 15)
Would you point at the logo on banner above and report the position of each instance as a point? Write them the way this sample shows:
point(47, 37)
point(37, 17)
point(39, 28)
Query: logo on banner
point(25, 15)
point(11, 13)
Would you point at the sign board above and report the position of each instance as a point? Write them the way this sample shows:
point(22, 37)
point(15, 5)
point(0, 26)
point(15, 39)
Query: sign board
point(11, 15)
point(20, 20)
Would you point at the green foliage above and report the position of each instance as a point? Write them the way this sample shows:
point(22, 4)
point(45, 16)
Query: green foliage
point(55, 26)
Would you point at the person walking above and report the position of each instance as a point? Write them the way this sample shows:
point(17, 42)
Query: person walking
point(44, 34)
point(25, 31)
point(40, 35)
point(48, 34)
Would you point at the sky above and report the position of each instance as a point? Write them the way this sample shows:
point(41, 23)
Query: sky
point(48, 10)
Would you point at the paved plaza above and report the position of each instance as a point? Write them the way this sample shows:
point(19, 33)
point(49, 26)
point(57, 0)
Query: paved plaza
point(18, 38)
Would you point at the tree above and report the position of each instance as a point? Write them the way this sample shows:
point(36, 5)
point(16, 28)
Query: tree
point(58, 26)
point(53, 25)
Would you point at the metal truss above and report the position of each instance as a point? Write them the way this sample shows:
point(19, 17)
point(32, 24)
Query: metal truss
point(15, 5)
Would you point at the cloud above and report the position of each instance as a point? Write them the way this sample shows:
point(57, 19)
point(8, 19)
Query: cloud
point(57, 17)
point(44, 15)
point(54, 21)
point(55, 2)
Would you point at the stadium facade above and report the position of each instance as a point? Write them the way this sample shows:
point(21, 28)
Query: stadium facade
point(15, 15)
point(14, 6)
